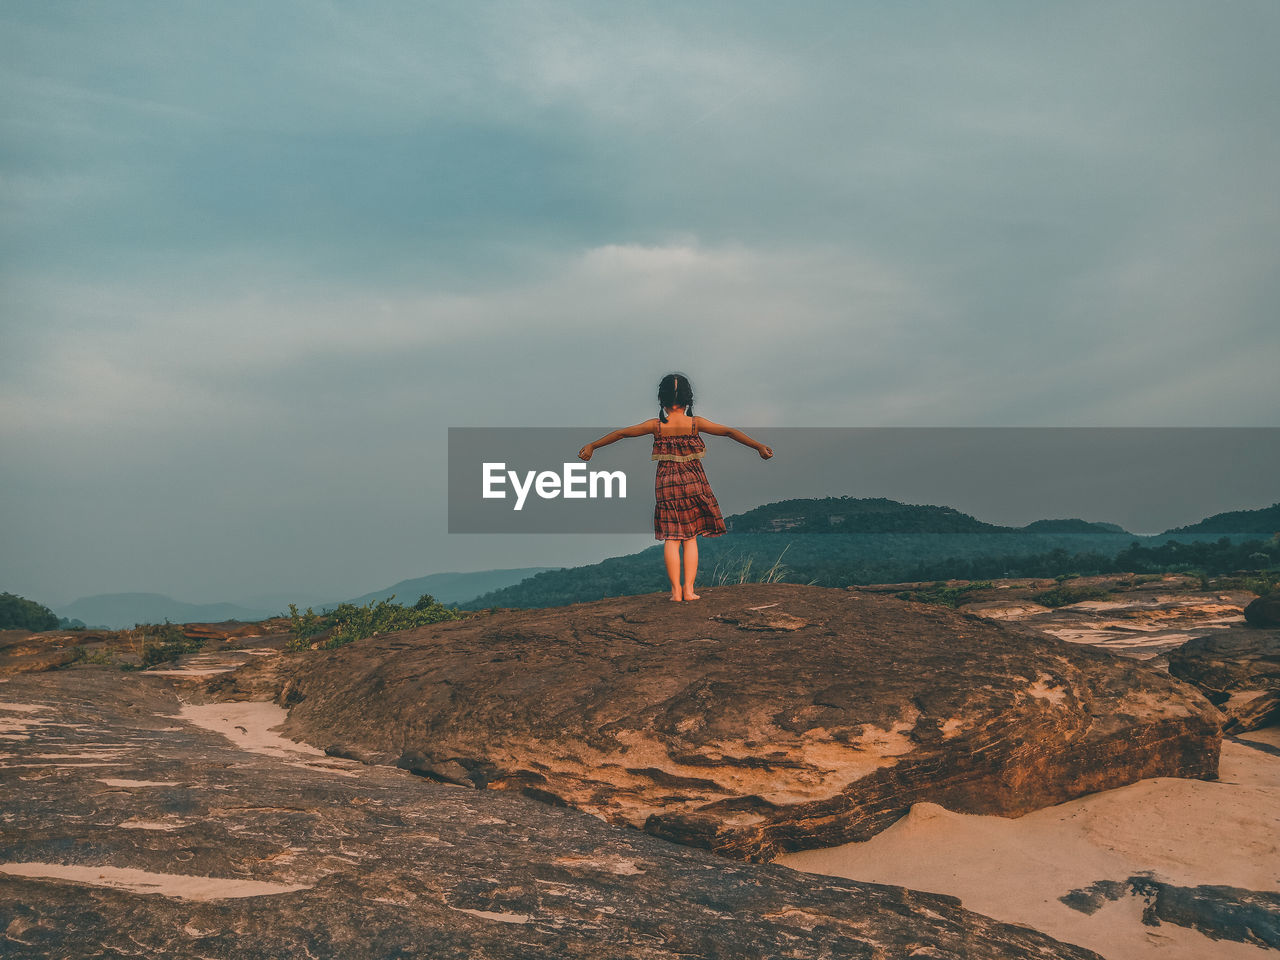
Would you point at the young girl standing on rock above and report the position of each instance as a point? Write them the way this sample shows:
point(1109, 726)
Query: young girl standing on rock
point(685, 505)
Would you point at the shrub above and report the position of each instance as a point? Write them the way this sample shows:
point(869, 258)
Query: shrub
point(1062, 596)
point(348, 622)
point(943, 595)
point(82, 655)
point(159, 643)
point(304, 625)
point(1260, 582)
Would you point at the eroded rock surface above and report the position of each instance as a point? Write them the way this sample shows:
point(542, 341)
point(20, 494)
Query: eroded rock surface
point(1218, 911)
point(1139, 617)
point(1238, 671)
point(760, 719)
point(128, 830)
point(22, 651)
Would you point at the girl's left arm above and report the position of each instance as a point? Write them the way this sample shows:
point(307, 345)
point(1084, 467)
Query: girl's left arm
point(635, 430)
point(733, 433)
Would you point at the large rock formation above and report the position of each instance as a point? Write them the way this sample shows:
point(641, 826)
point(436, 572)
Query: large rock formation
point(1264, 611)
point(760, 719)
point(1239, 671)
point(129, 830)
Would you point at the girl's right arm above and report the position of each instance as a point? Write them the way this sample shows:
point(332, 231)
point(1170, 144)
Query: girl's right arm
point(635, 430)
point(720, 430)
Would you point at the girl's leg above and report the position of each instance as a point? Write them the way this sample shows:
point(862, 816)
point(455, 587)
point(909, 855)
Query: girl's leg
point(671, 557)
point(690, 566)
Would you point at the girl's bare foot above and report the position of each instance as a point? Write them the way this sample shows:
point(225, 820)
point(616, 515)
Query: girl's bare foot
point(690, 595)
point(675, 595)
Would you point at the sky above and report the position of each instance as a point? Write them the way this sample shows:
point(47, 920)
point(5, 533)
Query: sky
point(255, 259)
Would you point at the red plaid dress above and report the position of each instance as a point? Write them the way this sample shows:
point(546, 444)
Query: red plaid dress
point(685, 505)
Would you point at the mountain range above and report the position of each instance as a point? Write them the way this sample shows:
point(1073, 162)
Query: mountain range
point(877, 515)
point(120, 610)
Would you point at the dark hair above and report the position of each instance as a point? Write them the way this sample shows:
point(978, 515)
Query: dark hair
point(674, 391)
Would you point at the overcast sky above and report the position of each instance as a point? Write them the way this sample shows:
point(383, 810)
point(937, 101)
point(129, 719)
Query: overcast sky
point(256, 258)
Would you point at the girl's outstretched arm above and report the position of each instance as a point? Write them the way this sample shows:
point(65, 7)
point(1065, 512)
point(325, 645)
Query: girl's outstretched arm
point(720, 430)
point(635, 430)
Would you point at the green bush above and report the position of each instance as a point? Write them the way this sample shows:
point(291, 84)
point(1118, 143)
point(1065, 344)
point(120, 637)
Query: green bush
point(347, 622)
point(304, 625)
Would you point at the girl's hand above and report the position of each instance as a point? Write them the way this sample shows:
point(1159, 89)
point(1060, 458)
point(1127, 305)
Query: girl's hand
point(766, 452)
point(585, 452)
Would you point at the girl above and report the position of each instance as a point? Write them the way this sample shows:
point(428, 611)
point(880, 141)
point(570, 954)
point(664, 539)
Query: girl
point(685, 505)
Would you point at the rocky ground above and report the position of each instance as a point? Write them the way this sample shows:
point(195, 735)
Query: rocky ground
point(153, 813)
point(136, 824)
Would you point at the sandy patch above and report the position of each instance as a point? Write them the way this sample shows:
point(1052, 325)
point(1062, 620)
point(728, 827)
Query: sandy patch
point(111, 763)
point(177, 885)
point(490, 915)
point(1187, 832)
point(248, 725)
point(18, 718)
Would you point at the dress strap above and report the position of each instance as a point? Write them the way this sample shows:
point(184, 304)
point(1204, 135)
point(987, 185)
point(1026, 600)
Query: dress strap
point(657, 427)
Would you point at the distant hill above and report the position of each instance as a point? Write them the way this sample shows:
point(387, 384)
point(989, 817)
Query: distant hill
point(1072, 526)
point(450, 588)
point(1264, 521)
point(855, 515)
point(120, 611)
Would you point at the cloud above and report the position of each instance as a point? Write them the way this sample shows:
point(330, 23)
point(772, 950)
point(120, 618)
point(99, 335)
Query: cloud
point(115, 354)
point(284, 246)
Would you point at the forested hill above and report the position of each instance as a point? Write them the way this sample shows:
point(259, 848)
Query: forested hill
point(1072, 526)
point(856, 515)
point(1263, 521)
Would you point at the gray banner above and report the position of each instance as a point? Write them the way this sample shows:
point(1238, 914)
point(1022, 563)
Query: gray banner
point(1135, 476)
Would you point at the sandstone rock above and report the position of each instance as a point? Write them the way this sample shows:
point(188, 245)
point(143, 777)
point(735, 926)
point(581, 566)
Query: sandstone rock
point(760, 719)
point(1264, 611)
point(22, 651)
point(1239, 671)
point(1142, 619)
point(129, 831)
point(994, 610)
